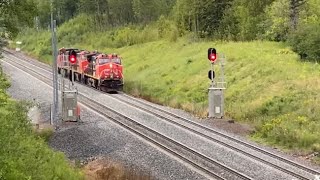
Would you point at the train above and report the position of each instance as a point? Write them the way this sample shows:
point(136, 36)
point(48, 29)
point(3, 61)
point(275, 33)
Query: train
point(99, 70)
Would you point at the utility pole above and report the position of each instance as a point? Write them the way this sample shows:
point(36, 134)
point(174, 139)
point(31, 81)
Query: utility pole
point(54, 68)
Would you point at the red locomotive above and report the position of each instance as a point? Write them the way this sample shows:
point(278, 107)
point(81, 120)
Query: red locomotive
point(99, 70)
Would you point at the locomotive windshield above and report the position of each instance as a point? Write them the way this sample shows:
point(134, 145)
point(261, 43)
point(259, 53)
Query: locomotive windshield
point(104, 61)
point(116, 60)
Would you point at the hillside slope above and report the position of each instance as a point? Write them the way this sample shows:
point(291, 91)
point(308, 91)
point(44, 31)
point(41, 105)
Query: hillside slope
point(268, 86)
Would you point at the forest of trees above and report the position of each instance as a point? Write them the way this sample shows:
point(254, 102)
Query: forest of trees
point(294, 21)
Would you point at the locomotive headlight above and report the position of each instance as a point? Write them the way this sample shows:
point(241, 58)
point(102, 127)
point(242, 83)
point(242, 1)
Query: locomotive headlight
point(111, 66)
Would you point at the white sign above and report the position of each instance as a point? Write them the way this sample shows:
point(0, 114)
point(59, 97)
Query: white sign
point(217, 109)
point(70, 113)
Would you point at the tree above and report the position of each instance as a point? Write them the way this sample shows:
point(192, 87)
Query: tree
point(244, 19)
point(277, 23)
point(202, 16)
point(146, 11)
point(121, 12)
point(15, 14)
point(305, 38)
point(210, 13)
point(294, 12)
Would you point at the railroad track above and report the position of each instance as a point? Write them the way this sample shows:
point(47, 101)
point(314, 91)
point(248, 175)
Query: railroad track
point(201, 162)
point(218, 140)
point(216, 136)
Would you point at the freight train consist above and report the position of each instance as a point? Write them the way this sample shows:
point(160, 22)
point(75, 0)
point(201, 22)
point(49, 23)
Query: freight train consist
point(98, 70)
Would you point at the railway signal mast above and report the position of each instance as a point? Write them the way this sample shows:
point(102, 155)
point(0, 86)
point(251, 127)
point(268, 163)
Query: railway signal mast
point(54, 110)
point(70, 109)
point(216, 98)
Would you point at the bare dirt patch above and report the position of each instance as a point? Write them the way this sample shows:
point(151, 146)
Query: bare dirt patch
point(230, 126)
point(103, 169)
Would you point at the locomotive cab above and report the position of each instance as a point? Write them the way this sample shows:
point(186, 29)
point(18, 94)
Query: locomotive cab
point(91, 68)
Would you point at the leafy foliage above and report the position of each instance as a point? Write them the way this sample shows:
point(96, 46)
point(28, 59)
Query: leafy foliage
point(3, 43)
point(277, 21)
point(105, 13)
point(239, 20)
point(305, 41)
point(15, 14)
point(200, 16)
point(23, 155)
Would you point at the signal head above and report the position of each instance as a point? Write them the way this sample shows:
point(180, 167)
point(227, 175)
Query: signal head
point(212, 54)
point(72, 57)
point(211, 75)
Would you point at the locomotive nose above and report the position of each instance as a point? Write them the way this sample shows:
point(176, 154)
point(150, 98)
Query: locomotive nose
point(112, 72)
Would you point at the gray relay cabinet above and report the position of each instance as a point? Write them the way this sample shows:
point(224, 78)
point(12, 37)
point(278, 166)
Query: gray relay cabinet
point(69, 106)
point(216, 103)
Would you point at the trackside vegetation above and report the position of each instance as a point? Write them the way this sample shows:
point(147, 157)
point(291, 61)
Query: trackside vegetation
point(24, 154)
point(268, 87)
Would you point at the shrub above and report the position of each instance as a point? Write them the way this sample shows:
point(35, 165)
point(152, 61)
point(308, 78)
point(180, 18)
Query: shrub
point(167, 29)
point(305, 41)
point(174, 34)
point(291, 130)
point(23, 154)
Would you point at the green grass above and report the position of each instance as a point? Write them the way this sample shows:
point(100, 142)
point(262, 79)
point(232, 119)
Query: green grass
point(24, 154)
point(268, 86)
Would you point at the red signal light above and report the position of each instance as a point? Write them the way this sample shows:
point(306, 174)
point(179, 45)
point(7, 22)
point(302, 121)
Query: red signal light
point(212, 54)
point(213, 57)
point(73, 57)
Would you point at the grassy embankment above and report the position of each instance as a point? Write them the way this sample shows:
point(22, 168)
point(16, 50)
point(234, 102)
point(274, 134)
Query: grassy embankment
point(268, 86)
point(24, 154)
